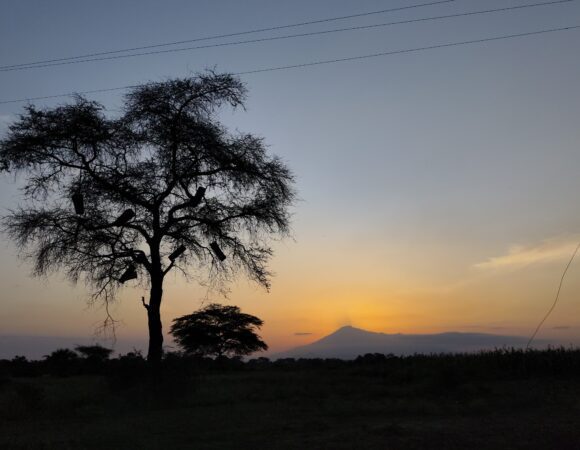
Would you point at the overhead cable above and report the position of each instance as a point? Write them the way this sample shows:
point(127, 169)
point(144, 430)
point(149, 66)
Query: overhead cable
point(288, 36)
point(321, 62)
point(219, 36)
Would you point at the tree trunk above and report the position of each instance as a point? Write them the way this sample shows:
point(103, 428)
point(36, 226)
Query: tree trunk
point(154, 319)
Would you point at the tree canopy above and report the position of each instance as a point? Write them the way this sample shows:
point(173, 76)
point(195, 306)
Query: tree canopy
point(218, 330)
point(96, 353)
point(161, 186)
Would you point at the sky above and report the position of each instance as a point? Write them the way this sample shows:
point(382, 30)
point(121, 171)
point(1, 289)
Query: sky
point(437, 189)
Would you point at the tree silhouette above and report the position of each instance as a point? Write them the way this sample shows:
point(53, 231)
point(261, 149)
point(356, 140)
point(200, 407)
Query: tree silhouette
point(94, 353)
point(62, 361)
point(163, 186)
point(218, 330)
point(94, 357)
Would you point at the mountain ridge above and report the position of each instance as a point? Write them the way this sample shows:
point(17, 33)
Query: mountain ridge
point(348, 342)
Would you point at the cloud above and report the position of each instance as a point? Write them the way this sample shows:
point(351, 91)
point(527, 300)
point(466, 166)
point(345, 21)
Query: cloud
point(302, 334)
point(518, 256)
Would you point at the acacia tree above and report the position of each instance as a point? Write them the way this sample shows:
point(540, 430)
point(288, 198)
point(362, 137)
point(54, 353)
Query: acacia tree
point(218, 330)
point(163, 186)
point(94, 353)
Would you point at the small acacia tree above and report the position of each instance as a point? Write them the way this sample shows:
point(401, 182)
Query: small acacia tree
point(94, 353)
point(163, 186)
point(218, 330)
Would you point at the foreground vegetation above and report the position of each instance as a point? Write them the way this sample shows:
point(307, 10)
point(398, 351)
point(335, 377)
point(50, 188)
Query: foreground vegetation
point(506, 399)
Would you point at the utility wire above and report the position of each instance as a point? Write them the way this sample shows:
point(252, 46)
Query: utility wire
point(321, 62)
point(410, 50)
point(556, 299)
point(288, 36)
point(241, 33)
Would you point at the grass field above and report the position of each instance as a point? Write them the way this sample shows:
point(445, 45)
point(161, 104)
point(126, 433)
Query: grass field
point(428, 403)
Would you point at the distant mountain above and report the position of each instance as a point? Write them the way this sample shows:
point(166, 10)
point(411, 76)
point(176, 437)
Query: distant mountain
point(349, 342)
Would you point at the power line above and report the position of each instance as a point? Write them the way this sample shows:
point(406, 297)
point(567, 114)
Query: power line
point(289, 36)
point(411, 50)
point(240, 33)
point(556, 299)
point(321, 62)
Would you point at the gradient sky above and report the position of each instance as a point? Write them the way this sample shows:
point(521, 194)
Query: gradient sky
point(439, 189)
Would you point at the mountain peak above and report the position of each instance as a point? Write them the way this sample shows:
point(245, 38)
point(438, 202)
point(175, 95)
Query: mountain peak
point(348, 329)
point(345, 328)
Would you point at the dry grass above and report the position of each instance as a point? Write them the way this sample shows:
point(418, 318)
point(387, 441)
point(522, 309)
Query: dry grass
point(430, 404)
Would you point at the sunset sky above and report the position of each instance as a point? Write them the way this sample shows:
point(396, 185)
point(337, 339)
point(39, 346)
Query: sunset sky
point(438, 190)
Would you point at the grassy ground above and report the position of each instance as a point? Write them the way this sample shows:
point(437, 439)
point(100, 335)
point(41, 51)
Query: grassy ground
point(343, 407)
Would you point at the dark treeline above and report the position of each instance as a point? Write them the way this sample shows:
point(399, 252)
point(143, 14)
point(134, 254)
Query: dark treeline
point(506, 398)
point(449, 368)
